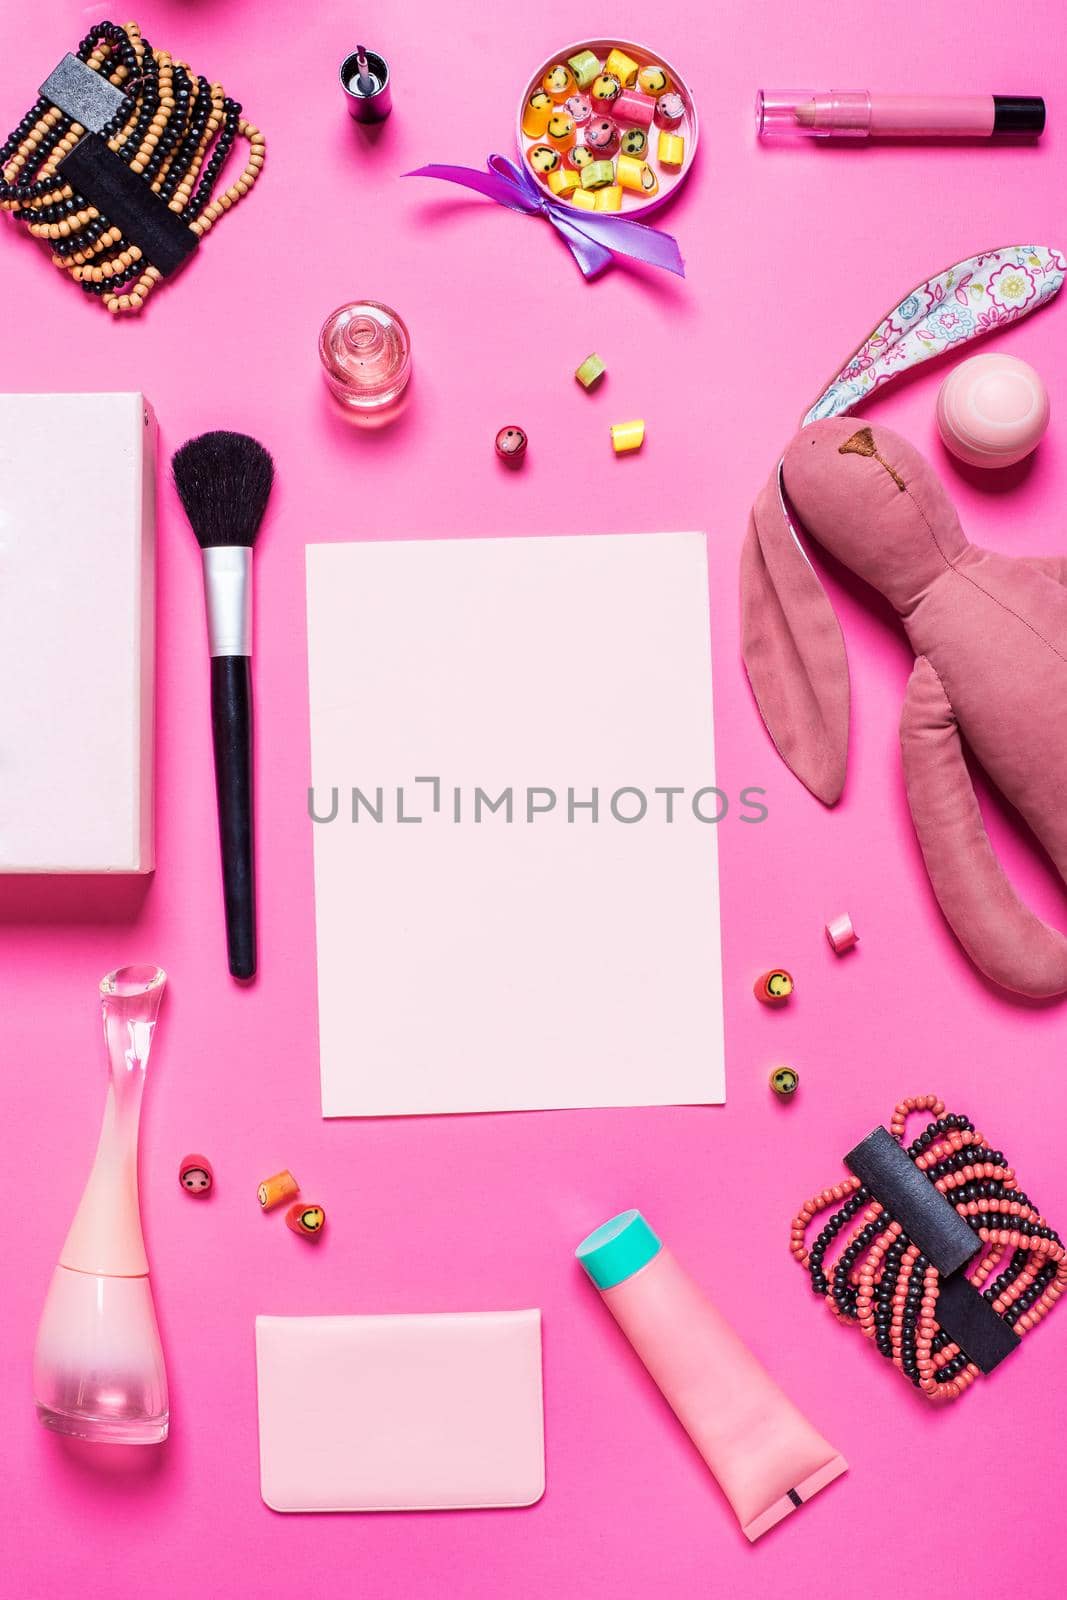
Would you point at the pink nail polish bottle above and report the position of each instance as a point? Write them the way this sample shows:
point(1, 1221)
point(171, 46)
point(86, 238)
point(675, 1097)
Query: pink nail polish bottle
point(365, 350)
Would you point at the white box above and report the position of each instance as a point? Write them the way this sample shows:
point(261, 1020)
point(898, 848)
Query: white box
point(77, 624)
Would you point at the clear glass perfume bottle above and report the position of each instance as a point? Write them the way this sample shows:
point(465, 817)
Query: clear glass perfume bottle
point(98, 1369)
point(365, 350)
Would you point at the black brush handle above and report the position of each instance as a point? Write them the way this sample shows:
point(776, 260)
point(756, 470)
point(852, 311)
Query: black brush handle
point(231, 727)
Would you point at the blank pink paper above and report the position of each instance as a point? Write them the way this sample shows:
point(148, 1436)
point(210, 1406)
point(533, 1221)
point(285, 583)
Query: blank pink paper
point(438, 1412)
point(520, 908)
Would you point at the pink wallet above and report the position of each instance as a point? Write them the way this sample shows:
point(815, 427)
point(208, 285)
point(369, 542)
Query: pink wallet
point(400, 1413)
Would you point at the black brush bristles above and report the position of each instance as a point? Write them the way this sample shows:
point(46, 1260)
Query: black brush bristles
point(224, 481)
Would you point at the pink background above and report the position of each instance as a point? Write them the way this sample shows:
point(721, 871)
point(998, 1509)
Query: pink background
point(793, 254)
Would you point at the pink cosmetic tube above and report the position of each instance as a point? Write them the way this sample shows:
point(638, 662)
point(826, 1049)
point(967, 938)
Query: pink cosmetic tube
point(863, 115)
point(764, 1453)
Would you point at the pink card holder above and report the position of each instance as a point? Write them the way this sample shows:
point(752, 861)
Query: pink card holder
point(400, 1413)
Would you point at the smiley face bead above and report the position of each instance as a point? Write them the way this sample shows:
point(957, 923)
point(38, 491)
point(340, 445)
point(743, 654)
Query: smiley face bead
point(605, 91)
point(510, 444)
point(602, 136)
point(305, 1220)
point(653, 80)
point(634, 142)
point(773, 988)
point(784, 1081)
point(195, 1176)
point(580, 156)
point(580, 108)
point(560, 130)
point(543, 159)
point(535, 114)
point(559, 82)
point(670, 109)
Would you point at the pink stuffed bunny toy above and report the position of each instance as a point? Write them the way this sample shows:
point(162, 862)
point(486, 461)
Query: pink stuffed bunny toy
point(990, 639)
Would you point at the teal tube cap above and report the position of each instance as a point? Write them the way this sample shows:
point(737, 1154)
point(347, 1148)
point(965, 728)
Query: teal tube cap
point(617, 1249)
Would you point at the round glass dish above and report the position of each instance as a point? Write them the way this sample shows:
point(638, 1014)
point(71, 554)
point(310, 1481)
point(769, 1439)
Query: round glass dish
point(671, 179)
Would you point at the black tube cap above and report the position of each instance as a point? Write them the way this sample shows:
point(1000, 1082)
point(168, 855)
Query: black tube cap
point(1018, 113)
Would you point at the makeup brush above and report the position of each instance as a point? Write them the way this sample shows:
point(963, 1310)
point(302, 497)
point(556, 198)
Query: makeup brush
point(224, 481)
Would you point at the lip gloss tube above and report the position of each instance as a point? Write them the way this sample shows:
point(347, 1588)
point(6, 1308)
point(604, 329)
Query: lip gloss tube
point(863, 115)
point(764, 1453)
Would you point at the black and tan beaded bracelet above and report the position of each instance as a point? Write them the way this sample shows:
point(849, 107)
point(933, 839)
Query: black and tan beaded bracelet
point(115, 164)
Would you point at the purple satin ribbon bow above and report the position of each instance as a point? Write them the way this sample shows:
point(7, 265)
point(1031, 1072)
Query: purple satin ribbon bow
point(593, 238)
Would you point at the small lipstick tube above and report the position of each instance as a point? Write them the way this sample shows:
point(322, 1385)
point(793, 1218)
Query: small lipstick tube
point(863, 115)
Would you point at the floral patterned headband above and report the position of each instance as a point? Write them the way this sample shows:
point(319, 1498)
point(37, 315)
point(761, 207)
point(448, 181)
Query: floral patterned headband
point(968, 300)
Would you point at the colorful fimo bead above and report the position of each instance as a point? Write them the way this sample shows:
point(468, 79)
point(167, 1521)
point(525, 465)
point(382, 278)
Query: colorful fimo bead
point(609, 199)
point(560, 130)
point(634, 110)
point(598, 174)
point(563, 182)
point(627, 436)
point(510, 444)
point(591, 371)
point(841, 934)
point(773, 988)
point(585, 67)
point(784, 1081)
point(670, 109)
point(195, 1175)
point(602, 135)
point(580, 107)
point(580, 156)
point(634, 142)
point(605, 90)
point(558, 82)
point(543, 159)
point(535, 114)
point(670, 149)
point(636, 175)
point(653, 80)
point(272, 1191)
point(621, 66)
point(584, 199)
point(305, 1220)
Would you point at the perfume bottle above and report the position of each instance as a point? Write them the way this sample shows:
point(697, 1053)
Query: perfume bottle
point(98, 1370)
point(365, 350)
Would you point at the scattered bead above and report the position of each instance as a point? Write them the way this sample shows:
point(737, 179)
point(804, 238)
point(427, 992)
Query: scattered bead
point(536, 112)
point(653, 80)
point(272, 1191)
point(585, 68)
point(305, 1220)
point(620, 65)
point(511, 444)
point(784, 1081)
point(773, 988)
point(195, 1176)
point(591, 371)
point(627, 436)
point(841, 934)
point(670, 149)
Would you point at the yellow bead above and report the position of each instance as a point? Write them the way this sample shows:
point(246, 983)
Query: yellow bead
point(628, 171)
point(536, 112)
point(622, 66)
point(584, 199)
point(609, 199)
point(653, 80)
point(627, 436)
point(598, 174)
point(543, 159)
point(564, 182)
point(558, 82)
point(671, 149)
point(560, 130)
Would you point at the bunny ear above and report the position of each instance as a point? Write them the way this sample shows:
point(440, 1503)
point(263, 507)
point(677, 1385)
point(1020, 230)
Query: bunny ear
point(793, 650)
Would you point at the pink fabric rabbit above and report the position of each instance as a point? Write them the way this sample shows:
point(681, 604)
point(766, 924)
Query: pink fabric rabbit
point(990, 638)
